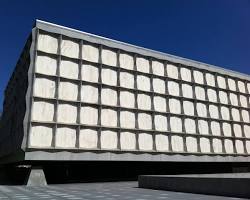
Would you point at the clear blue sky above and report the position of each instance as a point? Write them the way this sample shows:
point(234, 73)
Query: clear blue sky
point(212, 31)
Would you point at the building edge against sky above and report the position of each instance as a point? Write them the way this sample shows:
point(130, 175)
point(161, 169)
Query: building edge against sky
point(140, 104)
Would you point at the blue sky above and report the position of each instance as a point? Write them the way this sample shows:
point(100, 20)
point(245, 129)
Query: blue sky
point(212, 31)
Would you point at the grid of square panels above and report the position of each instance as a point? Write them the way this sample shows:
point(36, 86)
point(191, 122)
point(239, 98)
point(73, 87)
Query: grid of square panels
point(94, 97)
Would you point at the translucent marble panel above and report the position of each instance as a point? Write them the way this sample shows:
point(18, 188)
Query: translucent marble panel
point(109, 76)
point(228, 146)
point(127, 99)
point(108, 117)
point(176, 124)
point(126, 61)
point(144, 101)
point(192, 145)
point(215, 128)
point(227, 129)
point(233, 99)
point(158, 68)
point(223, 97)
point(190, 126)
point(47, 43)
point(225, 113)
point(159, 86)
point(144, 121)
point(201, 110)
point(245, 116)
point(177, 143)
point(70, 48)
point(213, 111)
point(143, 83)
point(172, 71)
point(187, 91)
point(239, 146)
point(44, 87)
point(145, 141)
point(127, 80)
point(217, 145)
point(175, 106)
point(200, 93)
point(109, 139)
point(198, 77)
point(40, 136)
point(173, 88)
point(142, 65)
point(243, 101)
point(69, 69)
point(210, 79)
point(89, 115)
point(161, 142)
point(127, 140)
point(42, 111)
point(159, 104)
point(205, 145)
point(127, 119)
point(68, 91)
point(89, 94)
point(235, 114)
point(248, 146)
point(212, 96)
point(109, 96)
point(231, 84)
point(241, 86)
point(46, 65)
point(247, 131)
point(109, 57)
point(65, 137)
point(203, 127)
point(185, 74)
point(90, 73)
point(90, 53)
point(161, 123)
point(237, 130)
point(248, 88)
point(71, 115)
point(221, 82)
point(188, 107)
point(88, 138)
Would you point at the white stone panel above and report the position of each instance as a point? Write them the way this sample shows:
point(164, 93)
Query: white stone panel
point(225, 113)
point(203, 127)
point(126, 61)
point(172, 71)
point(177, 143)
point(192, 145)
point(90, 53)
point(145, 141)
point(68, 91)
point(237, 130)
point(46, 65)
point(175, 106)
point(241, 86)
point(127, 80)
point(245, 116)
point(127, 99)
point(234, 99)
point(223, 97)
point(89, 94)
point(185, 74)
point(109, 139)
point(41, 136)
point(210, 79)
point(213, 110)
point(90, 73)
point(248, 88)
point(247, 131)
point(66, 113)
point(161, 123)
point(88, 139)
point(217, 145)
point(70, 48)
point(221, 82)
point(44, 87)
point(69, 69)
point(198, 77)
point(142, 65)
point(239, 146)
point(205, 145)
point(187, 91)
point(109, 76)
point(161, 142)
point(190, 126)
point(108, 117)
point(158, 68)
point(227, 129)
point(65, 137)
point(47, 43)
point(127, 119)
point(231, 84)
point(144, 121)
point(188, 107)
point(89, 115)
point(228, 146)
point(143, 83)
point(248, 146)
point(200, 93)
point(144, 101)
point(176, 124)
point(42, 111)
point(159, 86)
point(201, 110)
point(215, 127)
point(109, 57)
point(235, 114)
point(212, 96)
point(173, 88)
point(109, 96)
point(128, 141)
point(243, 101)
point(159, 104)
